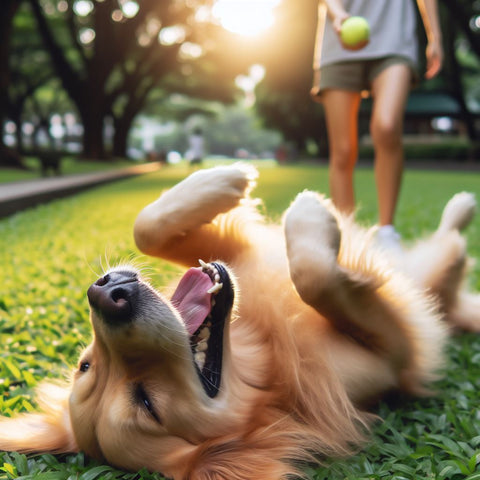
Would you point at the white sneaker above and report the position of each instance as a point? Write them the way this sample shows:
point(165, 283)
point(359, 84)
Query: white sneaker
point(389, 239)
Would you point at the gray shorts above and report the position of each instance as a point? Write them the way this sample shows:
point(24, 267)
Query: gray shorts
point(355, 76)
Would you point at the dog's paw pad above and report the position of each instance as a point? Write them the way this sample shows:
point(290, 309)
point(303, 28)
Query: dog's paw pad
point(312, 204)
point(311, 214)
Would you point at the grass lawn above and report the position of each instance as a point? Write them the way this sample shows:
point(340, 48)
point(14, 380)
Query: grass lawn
point(51, 254)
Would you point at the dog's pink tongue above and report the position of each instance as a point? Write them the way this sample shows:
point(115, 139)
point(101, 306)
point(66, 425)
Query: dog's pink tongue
point(191, 298)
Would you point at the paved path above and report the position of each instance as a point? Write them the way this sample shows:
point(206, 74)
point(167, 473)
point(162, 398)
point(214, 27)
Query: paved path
point(16, 196)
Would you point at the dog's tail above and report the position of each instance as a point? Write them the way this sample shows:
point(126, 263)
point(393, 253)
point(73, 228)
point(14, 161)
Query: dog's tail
point(458, 213)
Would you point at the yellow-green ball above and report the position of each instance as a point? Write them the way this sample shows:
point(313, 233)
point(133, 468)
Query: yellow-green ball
point(355, 32)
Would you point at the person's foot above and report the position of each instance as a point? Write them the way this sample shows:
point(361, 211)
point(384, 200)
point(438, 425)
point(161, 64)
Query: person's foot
point(389, 239)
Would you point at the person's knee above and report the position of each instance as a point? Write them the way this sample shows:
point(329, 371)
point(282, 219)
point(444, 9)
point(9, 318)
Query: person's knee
point(386, 131)
point(343, 157)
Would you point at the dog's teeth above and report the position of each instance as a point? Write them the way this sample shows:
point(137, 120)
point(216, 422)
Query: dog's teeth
point(212, 271)
point(204, 334)
point(215, 288)
point(200, 359)
point(202, 346)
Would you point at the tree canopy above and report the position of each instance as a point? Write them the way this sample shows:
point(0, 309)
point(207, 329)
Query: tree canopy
point(109, 60)
point(110, 55)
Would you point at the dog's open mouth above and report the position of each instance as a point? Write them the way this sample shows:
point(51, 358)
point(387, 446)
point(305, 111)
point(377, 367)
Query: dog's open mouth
point(204, 298)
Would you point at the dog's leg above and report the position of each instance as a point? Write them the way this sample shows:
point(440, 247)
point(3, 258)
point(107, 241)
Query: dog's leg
point(443, 261)
point(353, 300)
point(462, 308)
point(187, 222)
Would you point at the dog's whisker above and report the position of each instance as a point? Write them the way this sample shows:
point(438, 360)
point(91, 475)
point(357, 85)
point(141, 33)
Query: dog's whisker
point(107, 260)
point(90, 266)
point(102, 266)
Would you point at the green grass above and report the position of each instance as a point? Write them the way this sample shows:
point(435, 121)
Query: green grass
point(51, 254)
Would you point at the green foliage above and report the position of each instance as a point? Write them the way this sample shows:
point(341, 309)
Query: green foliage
point(434, 149)
point(47, 467)
point(51, 254)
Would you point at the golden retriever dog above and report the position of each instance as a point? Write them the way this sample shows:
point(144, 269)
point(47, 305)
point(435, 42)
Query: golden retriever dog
point(268, 351)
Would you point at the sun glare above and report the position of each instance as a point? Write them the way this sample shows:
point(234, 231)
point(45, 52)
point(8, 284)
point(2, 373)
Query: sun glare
point(245, 17)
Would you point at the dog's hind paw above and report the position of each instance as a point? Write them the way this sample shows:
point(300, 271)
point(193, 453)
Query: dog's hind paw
point(310, 215)
point(458, 212)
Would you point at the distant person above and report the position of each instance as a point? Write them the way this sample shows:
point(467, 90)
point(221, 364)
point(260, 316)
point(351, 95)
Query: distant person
point(386, 68)
point(196, 146)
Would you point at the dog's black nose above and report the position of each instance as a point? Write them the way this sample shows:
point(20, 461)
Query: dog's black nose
point(114, 295)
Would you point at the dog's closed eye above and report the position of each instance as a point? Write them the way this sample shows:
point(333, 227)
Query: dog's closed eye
point(141, 397)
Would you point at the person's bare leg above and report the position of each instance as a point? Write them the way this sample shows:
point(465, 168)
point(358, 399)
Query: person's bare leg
point(341, 111)
point(390, 91)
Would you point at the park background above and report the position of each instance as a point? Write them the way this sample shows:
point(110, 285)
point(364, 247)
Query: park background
point(119, 78)
point(108, 83)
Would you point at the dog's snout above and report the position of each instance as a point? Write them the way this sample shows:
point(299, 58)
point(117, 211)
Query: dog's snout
point(103, 280)
point(114, 296)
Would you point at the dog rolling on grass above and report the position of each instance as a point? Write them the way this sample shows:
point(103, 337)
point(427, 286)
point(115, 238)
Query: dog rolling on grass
point(268, 351)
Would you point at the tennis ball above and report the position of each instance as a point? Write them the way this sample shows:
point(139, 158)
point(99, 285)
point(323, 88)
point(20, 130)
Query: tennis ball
point(355, 32)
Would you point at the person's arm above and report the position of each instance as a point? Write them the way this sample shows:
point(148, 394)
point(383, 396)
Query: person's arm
point(431, 21)
point(336, 13)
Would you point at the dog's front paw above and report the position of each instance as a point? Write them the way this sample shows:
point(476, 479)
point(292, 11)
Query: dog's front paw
point(233, 182)
point(192, 203)
point(219, 189)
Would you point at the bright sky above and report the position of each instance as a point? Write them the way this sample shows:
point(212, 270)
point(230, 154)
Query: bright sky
point(245, 17)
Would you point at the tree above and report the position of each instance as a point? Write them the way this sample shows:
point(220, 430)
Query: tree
point(453, 75)
point(9, 7)
point(110, 58)
point(29, 69)
point(463, 12)
point(283, 98)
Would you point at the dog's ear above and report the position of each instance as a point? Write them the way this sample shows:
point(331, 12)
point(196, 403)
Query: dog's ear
point(48, 431)
point(242, 460)
point(242, 465)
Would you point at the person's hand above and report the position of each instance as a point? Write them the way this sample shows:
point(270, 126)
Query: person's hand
point(434, 55)
point(338, 20)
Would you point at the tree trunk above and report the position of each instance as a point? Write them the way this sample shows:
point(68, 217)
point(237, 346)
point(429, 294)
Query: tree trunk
point(9, 7)
point(16, 119)
point(87, 94)
point(123, 123)
point(93, 146)
point(122, 127)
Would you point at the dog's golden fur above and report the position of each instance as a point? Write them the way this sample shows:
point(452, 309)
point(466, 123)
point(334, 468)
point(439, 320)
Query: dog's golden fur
point(323, 324)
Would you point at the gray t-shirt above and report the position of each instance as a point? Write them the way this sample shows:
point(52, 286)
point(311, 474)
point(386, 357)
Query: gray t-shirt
point(392, 32)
